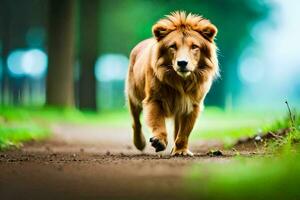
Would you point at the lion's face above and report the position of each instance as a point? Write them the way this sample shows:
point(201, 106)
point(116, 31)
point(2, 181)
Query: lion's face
point(183, 51)
point(186, 45)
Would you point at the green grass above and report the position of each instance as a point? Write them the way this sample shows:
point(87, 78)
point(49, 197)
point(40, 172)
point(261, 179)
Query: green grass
point(69, 115)
point(31, 122)
point(17, 126)
point(273, 177)
point(14, 135)
point(21, 124)
point(228, 127)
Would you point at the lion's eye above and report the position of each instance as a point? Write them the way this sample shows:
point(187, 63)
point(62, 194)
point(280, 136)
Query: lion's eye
point(195, 46)
point(173, 46)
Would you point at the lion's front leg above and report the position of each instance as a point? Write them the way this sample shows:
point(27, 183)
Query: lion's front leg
point(186, 124)
point(155, 119)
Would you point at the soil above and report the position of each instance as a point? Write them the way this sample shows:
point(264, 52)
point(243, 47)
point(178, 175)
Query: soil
point(98, 162)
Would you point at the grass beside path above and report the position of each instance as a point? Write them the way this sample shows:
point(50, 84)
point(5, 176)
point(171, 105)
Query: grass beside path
point(220, 125)
point(18, 124)
point(13, 135)
point(268, 177)
point(271, 176)
point(21, 124)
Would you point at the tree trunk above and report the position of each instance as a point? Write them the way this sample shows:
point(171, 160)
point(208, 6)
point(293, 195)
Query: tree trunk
point(5, 24)
point(88, 53)
point(60, 83)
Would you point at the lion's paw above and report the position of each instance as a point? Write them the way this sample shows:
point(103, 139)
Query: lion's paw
point(158, 144)
point(181, 152)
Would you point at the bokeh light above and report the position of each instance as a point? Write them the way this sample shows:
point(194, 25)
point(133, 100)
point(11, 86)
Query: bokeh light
point(270, 68)
point(32, 63)
point(251, 70)
point(111, 67)
point(14, 63)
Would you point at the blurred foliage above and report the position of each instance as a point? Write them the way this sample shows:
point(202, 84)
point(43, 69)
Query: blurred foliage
point(12, 135)
point(22, 124)
point(17, 126)
point(236, 125)
point(48, 115)
point(246, 178)
point(228, 127)
point(255, 177)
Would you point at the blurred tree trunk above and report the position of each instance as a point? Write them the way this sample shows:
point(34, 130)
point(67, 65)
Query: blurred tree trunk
point(88, 53)
point(5, 22)
point(60, 83)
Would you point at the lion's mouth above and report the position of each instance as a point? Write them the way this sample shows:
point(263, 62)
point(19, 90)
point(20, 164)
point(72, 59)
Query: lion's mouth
point(183, 74)
point(183, 70)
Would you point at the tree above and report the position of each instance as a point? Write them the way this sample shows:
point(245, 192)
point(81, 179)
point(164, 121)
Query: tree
point(88, 53)
point(60, 83)
point(5, 25)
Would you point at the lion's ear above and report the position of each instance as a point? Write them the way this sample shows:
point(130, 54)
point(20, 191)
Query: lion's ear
point(159, 31)
point(208, 31)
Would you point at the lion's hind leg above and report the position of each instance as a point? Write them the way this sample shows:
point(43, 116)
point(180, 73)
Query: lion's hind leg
point(138, 137)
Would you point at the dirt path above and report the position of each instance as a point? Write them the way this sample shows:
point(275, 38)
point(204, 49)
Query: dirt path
point(96, 162)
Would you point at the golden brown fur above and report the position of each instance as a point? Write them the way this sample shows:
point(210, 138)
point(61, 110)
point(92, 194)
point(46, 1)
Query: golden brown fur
point(169, 76)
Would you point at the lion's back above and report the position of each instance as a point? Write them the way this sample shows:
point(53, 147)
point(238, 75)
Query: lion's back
point(141, 51)
point(139, 61)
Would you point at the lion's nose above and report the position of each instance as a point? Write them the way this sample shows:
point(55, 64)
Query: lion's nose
point(182, 65)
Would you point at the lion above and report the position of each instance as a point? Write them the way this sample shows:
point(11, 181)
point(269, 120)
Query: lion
point(169, 76)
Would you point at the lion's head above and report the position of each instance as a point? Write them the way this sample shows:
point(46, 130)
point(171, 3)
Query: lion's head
point(185, 45)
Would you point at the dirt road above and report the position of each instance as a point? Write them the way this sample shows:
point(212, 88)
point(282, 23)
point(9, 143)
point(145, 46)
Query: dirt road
point(96, 162)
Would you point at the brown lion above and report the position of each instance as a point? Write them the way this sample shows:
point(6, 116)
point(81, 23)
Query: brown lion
point(169, 76)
